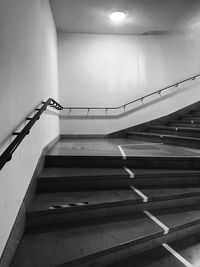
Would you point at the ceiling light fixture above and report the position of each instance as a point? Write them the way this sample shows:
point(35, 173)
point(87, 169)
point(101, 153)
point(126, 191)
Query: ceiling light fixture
point(117, 16)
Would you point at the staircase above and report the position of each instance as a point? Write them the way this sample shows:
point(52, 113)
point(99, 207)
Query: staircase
point(97, 206)
point(184, 130)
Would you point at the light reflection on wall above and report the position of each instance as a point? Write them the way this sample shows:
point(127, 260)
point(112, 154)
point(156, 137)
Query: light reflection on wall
point(107, 69)
point(99, 70)
point(116, 64)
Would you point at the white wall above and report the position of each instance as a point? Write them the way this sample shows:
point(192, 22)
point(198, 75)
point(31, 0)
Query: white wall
point(110, 70)
point(28, 75)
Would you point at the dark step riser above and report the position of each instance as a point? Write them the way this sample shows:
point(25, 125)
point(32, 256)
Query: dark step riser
point(195, 113)
point(189, 120)
point(99, 184)
point(84, 162)
point(179, 124)
point(164, 132)
point(127, 250)
point(192, 117)
point(136, 162)
point(145, 138)
point(40, 220)
point(177, 133)
point(169, 140)
point(184, 143)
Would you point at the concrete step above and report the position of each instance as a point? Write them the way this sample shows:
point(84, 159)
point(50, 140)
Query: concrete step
point(188, 248)
point(179, 131)
point(189, 120)
point(53, 208)
point(155, 257)
point(71, 178)
point(145, 136)
point(190, 124)
point(157, 160)
point(195, 112)
point(104, 241)
point(191, 117)
point(166, 139)
point(181, 252)
point(68, 179)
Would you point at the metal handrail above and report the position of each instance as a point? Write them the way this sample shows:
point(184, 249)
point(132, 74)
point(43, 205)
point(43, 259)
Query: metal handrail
point(7, 154)
point(141, 99)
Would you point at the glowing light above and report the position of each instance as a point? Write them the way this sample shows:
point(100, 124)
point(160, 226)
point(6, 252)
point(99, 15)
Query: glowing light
point(118, 16)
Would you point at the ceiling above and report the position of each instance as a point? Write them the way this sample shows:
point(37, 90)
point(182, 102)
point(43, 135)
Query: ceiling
point(144, 16)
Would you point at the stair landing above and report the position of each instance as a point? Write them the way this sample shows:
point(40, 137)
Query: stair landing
point(117, 146)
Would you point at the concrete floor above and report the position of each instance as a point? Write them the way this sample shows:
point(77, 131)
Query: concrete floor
point(110, 147)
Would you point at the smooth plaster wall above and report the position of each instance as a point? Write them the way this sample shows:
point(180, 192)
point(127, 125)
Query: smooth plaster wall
point(111, 70)
point(28, 75)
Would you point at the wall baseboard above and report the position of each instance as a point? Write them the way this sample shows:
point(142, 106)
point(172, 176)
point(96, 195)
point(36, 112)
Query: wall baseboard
point(82, 136)
point(18, 228)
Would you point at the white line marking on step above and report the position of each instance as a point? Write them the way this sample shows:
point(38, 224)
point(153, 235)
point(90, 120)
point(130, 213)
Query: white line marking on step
point(162, 225)
point(129, 172)
point(122, 152)
point(145, 198)
point(177, 255)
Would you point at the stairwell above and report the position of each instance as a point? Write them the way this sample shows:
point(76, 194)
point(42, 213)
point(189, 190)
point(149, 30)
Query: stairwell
point(115, 202)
